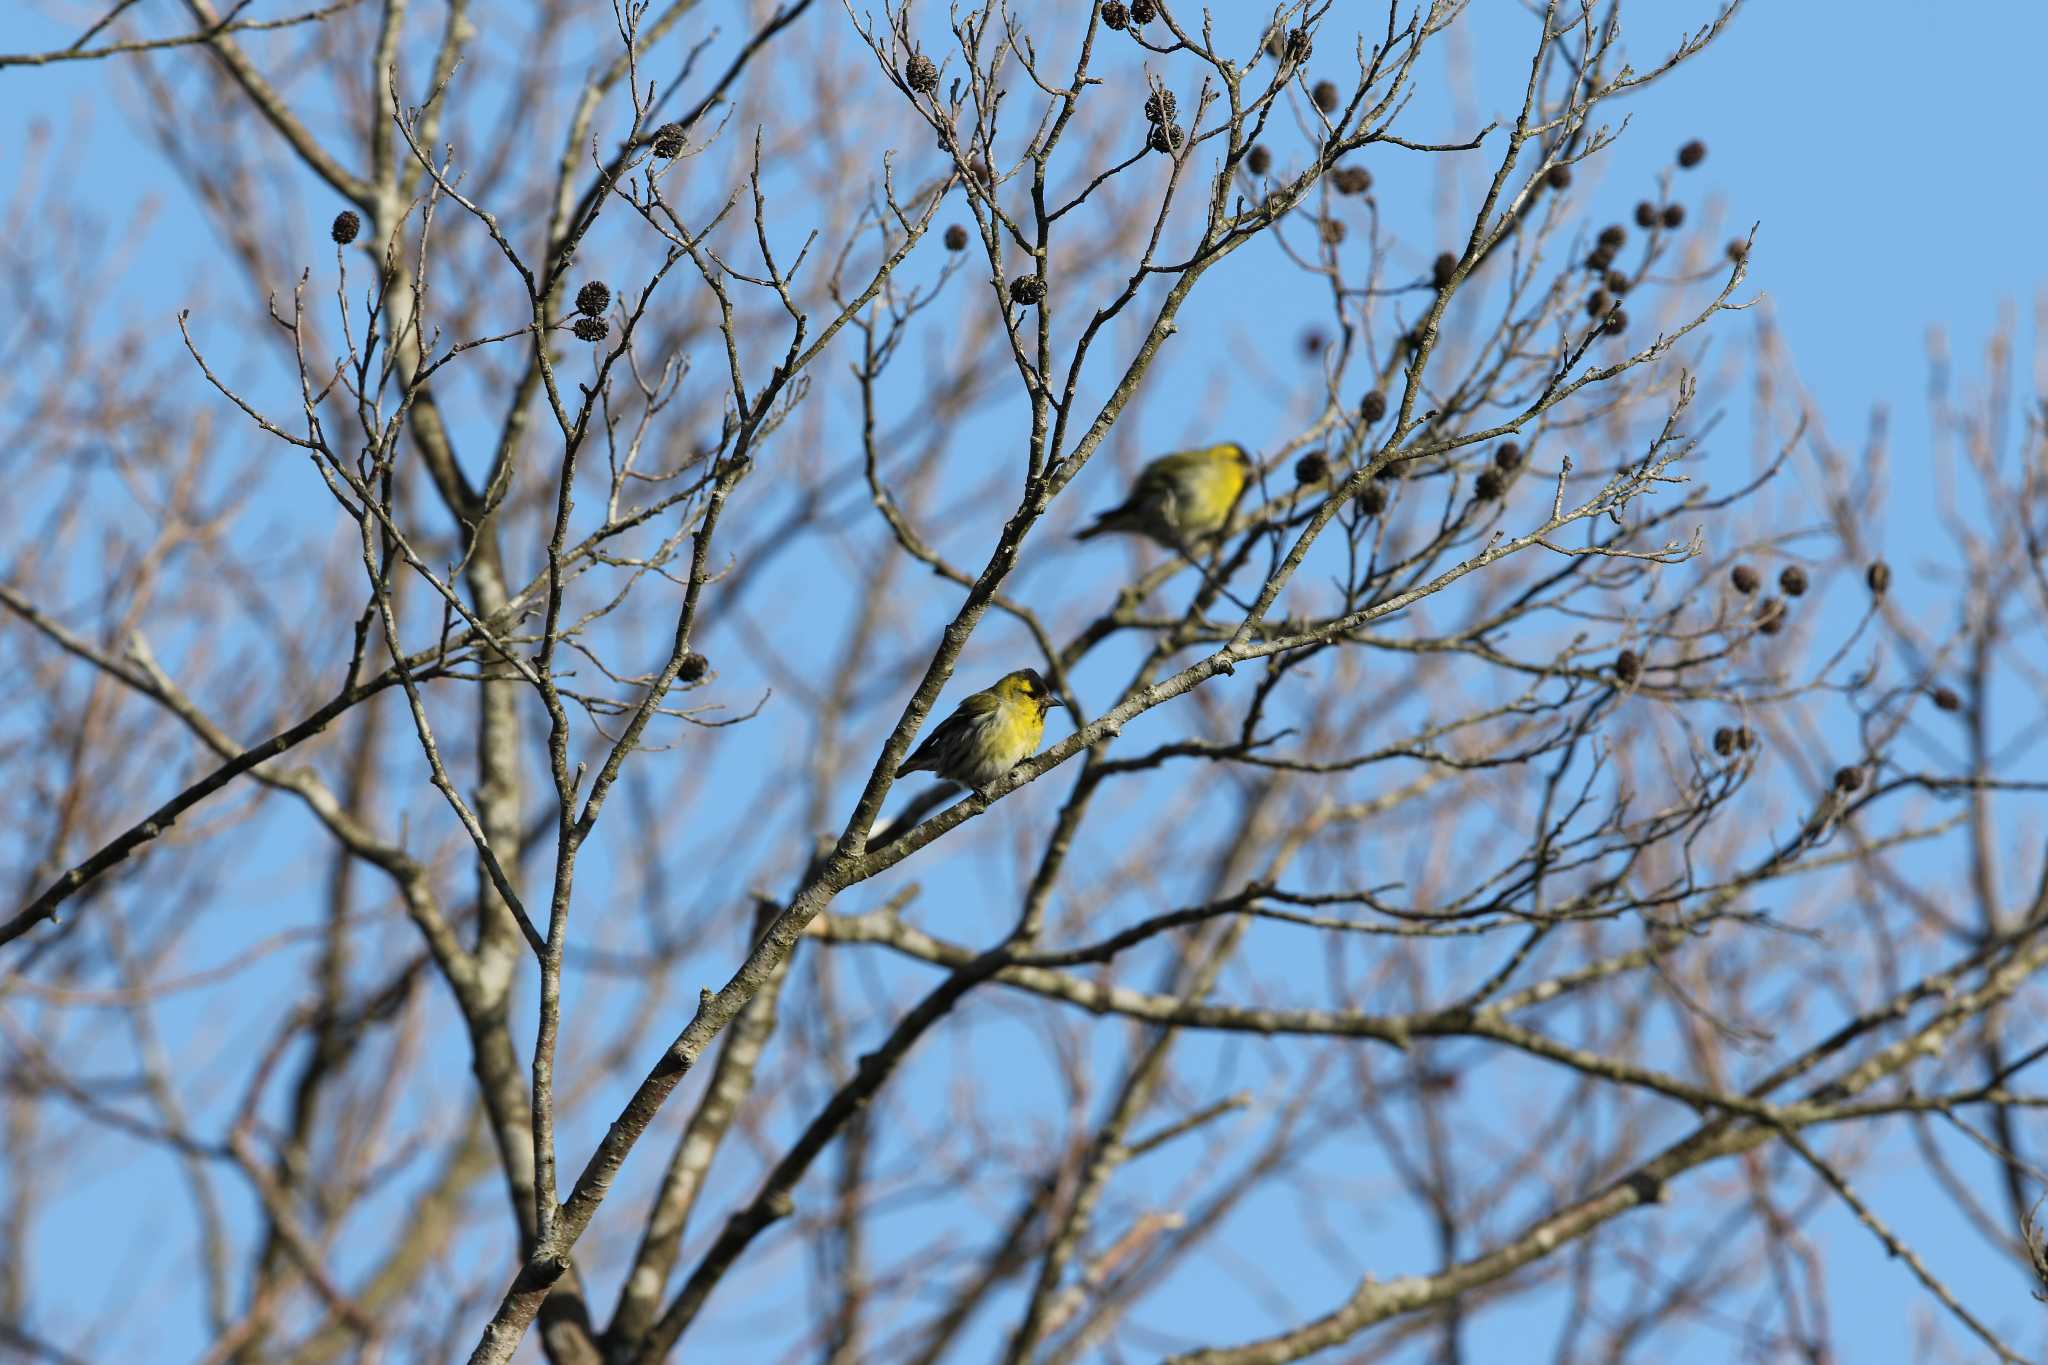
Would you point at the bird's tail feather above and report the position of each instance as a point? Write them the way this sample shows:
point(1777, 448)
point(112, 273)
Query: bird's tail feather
point(1116, 519)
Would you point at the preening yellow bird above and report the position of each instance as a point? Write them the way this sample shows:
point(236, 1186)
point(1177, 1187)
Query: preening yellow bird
point(1181, 498)
point(988, 734)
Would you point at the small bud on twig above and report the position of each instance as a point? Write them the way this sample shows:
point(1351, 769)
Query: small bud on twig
point(1770, 616)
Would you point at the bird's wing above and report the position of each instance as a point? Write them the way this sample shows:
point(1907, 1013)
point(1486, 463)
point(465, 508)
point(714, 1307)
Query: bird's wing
point(971, 713)
point(1165, 475)
point(977, 706)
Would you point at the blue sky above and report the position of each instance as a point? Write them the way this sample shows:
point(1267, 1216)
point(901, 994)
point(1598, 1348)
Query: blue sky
point(1887, 153)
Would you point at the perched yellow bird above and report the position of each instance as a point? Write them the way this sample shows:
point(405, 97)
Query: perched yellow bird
point(1180, 498)
point(988, 734)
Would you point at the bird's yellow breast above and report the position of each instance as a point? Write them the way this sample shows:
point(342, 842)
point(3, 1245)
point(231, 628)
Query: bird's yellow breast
point(1013, 733)
point(1210, 489)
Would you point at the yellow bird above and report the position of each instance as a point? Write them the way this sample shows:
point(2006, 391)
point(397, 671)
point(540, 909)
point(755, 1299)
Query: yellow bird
point(1181, 498)
point(988, 734)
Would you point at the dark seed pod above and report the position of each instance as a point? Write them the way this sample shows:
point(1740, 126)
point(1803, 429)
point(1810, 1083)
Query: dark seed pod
point(1115, 14)
point(1161, 106)
point(346, 226)
point(1351, 179)
point(1602, 257)
point(1558, 177)
point(1597, 303)
point(1027, 290)
point(1614, 235)
point(1673, 215)
point(1331, 231)
point(1442, 268)
point(1848, 779)
point(693, 667)
point(1488, 485)
point(978, 172)
point(593, 298)
point(1744, 578)
point(1325, 96)
point(1299, 46)
point(1738, 250)
point(1373, 406)
point(668, 141)
point(1313, 467)
point(591, 329)
point(1793, 580)
point(1745, 737)
point(1770, 616)
point(1646, 214)
point(1946, 699)
point(1692, 154)
point(1617, 322)
point(1143, 11)
point(1628, 666)
point(1166, 137)
point(1724, 741)
point(1507, 457)
point(1879, 577)
point(1372, 500)
point(921, 74)
point(1388, 472)
point(1258, 160)
point(1617, 283)
point(956, 238)
point(1312, 343)
point(1411, 342)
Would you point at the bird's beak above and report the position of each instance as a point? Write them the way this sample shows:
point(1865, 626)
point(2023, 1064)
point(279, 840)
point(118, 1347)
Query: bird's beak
point(1055, 701)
